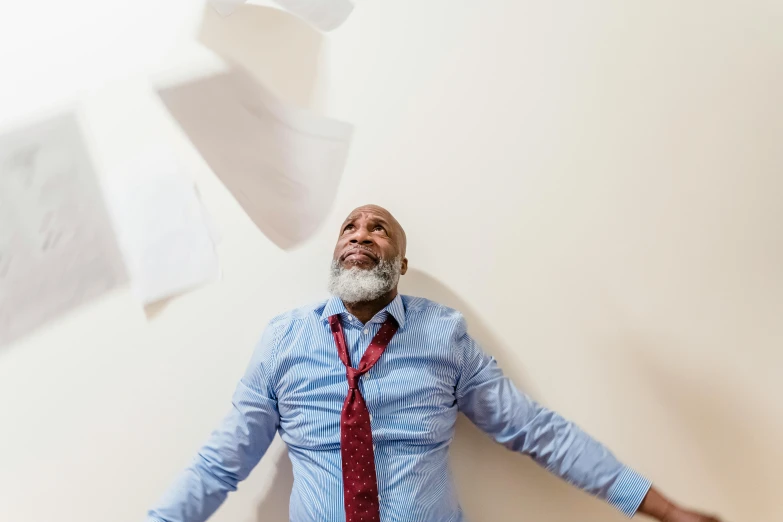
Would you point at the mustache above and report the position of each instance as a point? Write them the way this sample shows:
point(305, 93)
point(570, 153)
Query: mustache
point(359, 248)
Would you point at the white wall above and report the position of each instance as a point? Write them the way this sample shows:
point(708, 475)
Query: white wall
point(596, 185)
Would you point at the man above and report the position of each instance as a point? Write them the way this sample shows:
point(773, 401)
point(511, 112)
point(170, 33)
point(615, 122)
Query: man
point(365, 389)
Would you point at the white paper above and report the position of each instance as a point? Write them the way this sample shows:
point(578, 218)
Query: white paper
point(57, 248)
point(325, 15)
point(226, 7)
point(282, 164)
point(164, 231)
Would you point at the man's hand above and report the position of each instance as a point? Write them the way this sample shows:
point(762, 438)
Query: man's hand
point(682, 515)
point(657, 506)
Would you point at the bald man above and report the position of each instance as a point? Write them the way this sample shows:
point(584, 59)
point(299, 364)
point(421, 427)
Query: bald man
point(365, 388)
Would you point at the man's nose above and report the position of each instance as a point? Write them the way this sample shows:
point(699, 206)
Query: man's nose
point(361, 235)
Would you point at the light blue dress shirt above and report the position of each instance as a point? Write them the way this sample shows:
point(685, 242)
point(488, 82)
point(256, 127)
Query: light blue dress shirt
point(432, 369)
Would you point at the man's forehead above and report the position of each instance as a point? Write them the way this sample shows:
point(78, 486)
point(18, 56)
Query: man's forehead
point(371, 211)
point(382, 215)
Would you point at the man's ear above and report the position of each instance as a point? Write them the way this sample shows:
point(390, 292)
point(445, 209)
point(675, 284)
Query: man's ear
point(404, 267)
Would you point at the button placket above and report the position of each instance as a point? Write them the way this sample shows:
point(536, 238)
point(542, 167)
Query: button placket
point(372, 389)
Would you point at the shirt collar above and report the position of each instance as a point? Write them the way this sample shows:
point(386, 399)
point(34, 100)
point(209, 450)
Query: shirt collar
point(336, 306)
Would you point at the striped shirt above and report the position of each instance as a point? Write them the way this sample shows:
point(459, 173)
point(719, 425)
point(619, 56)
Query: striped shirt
point(432, 369)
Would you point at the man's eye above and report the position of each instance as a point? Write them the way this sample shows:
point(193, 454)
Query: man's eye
point(347, 228)
point(379, 228)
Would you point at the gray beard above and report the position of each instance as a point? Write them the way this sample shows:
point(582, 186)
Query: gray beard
point(357, 285)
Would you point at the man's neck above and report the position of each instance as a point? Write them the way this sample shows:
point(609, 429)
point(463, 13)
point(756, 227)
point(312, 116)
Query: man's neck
point(366, 310)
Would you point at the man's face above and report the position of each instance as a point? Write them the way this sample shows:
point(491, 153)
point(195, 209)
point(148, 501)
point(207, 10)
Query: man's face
point(368, 235)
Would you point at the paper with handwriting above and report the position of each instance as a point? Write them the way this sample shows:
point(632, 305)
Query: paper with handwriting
point(57, 247)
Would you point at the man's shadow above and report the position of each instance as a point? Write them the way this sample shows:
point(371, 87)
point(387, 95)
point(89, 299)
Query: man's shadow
point(493, 483)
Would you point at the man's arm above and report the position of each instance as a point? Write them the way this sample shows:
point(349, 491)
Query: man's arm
point(657, 506)
point(233, 449)
point(492, 402)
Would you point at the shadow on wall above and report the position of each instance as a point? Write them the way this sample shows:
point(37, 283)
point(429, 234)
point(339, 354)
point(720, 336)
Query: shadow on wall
point(493, 483)
point(730, 436)
point(274, 506)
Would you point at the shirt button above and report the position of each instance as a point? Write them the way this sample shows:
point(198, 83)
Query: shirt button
point(366, 330)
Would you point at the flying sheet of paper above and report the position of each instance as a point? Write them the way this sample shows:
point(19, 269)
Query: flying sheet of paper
point(57, 248)
point(282, 164)
point(325, 15)
point(165, 234)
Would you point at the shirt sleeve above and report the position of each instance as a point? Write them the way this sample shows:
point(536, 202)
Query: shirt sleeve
point(232, 450)
point(492, 402)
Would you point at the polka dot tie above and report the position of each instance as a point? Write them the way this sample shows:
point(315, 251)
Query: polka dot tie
point(360, 485)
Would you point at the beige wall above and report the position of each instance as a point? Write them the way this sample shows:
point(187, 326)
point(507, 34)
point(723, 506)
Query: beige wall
point(596, 185)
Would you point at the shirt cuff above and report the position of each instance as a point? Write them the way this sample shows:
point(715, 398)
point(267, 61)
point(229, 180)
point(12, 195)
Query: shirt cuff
point(628, 491)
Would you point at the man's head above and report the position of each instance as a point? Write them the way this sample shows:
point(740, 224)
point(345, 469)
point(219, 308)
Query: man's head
point(369, 256)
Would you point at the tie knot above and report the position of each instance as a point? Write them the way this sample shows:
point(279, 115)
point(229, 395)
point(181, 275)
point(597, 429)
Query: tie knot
point(353, 377)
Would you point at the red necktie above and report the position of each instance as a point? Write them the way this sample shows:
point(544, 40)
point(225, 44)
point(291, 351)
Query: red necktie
point(360, 485)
